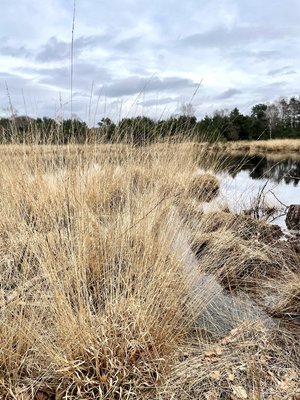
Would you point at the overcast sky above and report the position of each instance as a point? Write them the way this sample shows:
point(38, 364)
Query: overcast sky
point(135, 57)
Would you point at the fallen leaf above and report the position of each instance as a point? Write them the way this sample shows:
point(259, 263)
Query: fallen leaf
point(230, 376)
point(215, 375)
point(211, 395)
point(286, 385)
point(215, 351)
point(291, 375)
point(264, 359)
point(239, 392)
point(226, 340)
point(41, 396)
point(209, 353)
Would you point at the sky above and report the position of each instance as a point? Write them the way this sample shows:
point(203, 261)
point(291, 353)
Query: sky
point(146, 57)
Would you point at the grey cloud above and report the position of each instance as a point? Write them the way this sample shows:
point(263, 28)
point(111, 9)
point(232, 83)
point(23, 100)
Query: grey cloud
point(133, 85)
point(13, 80)
point(291, 72)
point(269, 91)
point(242, 44)
point(281, 71)
point(14, 51)
point(20, 89)
point(158, 102)
point(84, 75)
point(228, 94)
point(54, 50)
point(128, 44)
point(277, 84)
point(88, 42)
point(262, 55)
point(222, 37)
point(57, 50)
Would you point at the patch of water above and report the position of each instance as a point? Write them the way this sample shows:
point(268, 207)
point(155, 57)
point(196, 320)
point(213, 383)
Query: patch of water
point(243, 179)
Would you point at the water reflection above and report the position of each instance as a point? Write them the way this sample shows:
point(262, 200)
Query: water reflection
point(243, 178)
point(282, 170)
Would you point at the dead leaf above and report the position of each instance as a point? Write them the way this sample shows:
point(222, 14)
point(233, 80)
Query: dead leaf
point(289, 380)
point(211, 395)
point(286, 385)
point(213, 352)
point(209, 353)
point(230, 376)
point(291, 375)
point(239, 392)
point(263, 359)
point(215, 375)
point(41, 396)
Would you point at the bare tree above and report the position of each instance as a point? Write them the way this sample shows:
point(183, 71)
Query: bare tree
point(187, 110)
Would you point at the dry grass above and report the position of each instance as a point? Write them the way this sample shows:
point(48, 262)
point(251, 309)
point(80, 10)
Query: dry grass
point(290, 146)
point(101, 295)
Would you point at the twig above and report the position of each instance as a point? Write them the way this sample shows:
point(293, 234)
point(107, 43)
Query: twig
point(258, 201)
point(284, 205)
point(277, 216)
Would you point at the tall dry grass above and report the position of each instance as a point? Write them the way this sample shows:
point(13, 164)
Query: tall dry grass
point(286, 146)
point(101, 296)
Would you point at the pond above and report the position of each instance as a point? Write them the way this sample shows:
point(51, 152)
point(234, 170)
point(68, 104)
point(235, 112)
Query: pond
point(272, 181)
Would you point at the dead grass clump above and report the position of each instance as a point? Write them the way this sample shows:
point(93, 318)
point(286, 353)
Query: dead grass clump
point(239, 251)
point(215, 221)
point(100, 291)
point(236, 263)
point(140, 179)
point(204, 187)
point(263, 146)
point(243, 226)
point(288, 296)
point(189, 212)
point(87, 253)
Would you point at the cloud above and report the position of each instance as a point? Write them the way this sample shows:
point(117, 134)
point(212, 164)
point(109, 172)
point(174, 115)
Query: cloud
point(14, 50)
point(158, 102)
point(13, 81)
point(84, 75)
point(281, 71)
point(228, 94)
point(254, 55)
point(245, 51)
point(221, 37)
point(54, 50)
point(57, 50)
point(134, 85)
point(129, 44)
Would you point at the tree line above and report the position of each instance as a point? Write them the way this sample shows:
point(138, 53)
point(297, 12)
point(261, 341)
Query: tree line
point(280, 119)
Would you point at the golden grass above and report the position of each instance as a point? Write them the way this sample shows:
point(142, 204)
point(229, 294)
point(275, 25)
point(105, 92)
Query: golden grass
point(291, 146)
point(100, 296)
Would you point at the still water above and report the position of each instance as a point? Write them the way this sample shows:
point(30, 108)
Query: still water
point(277, 179)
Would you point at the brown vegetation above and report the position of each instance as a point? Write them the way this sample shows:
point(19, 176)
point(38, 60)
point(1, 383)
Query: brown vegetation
point(98, 299)
point(289, 146)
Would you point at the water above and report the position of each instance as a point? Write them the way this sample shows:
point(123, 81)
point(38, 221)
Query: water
point(277, 170)
point(277, 179)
